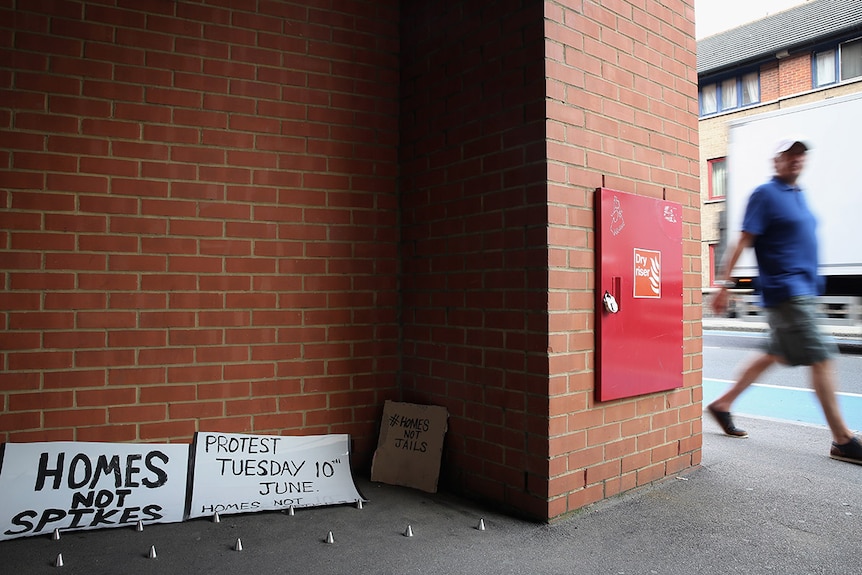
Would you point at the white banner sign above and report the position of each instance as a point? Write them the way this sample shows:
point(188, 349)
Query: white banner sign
point(83, 485)
point(236, 473)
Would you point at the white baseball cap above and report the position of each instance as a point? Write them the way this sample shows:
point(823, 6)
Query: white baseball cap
point(787, 143)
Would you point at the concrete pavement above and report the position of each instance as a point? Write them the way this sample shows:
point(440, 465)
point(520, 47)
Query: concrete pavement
point(773, 503)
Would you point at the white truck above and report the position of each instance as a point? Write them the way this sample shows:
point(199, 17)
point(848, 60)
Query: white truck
point(832, 181)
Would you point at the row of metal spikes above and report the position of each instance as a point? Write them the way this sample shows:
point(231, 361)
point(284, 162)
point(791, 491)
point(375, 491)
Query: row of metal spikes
point(330, 539)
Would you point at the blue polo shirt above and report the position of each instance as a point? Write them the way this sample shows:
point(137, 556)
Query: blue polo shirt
point(785, 242)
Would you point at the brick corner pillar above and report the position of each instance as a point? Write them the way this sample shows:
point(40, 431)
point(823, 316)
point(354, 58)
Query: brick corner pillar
point(621, 113)
point(512, 114)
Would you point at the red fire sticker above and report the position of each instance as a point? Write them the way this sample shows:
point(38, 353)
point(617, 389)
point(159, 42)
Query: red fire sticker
point(647, 273)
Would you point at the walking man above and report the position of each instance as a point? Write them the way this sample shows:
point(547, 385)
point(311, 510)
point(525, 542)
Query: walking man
point(782, 231)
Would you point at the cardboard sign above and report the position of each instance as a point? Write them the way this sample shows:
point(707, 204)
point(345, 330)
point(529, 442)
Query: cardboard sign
point(410, 445)
point(80, 485)
point(236, 473)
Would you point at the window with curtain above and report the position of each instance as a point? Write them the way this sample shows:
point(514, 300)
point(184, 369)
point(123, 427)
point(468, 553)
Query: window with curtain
point(844, 62)
point(750, 88)
point(709, 100)
point(717, 178)
point(851, 59)
point(824, 68)
point(728, 94)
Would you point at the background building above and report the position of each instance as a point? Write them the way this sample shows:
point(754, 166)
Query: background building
point(805, 54)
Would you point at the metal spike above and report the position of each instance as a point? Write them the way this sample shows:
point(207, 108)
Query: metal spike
point(152, 553)
point(216, 518)
point(55, 536)
point(58, 562)
point(359, 504)
point(481, 526)
point(290, 511)
point(408, 532)
point(329, 538)
point(238, 545)
point(140, 526)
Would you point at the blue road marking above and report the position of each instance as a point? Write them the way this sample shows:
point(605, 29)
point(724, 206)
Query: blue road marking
point(787, 403)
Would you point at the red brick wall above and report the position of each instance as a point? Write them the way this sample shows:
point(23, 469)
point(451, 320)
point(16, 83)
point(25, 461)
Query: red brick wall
point(199, 218)
point(769, 83)
point(794, 74)
point(208, 207)
point(622, 111)
point(474, 221)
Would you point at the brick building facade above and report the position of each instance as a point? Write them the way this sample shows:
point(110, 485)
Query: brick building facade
point(270, 217)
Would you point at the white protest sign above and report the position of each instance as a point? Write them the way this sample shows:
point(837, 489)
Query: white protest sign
point(84, 485)
point(237, 473)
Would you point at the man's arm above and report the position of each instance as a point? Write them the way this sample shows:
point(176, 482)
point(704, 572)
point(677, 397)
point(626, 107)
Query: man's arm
point(719, 302)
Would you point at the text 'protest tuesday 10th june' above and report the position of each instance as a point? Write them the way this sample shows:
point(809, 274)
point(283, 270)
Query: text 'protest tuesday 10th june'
point(256, 473)
point(255, 467)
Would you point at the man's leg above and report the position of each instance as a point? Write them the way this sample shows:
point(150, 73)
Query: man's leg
point(823, 381)
point(752, 371)
point(720, 408)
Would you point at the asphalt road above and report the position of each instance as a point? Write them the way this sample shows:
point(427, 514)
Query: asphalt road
point(724, 352)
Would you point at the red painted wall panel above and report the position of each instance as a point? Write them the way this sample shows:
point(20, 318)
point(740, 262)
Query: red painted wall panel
point(639, 296)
